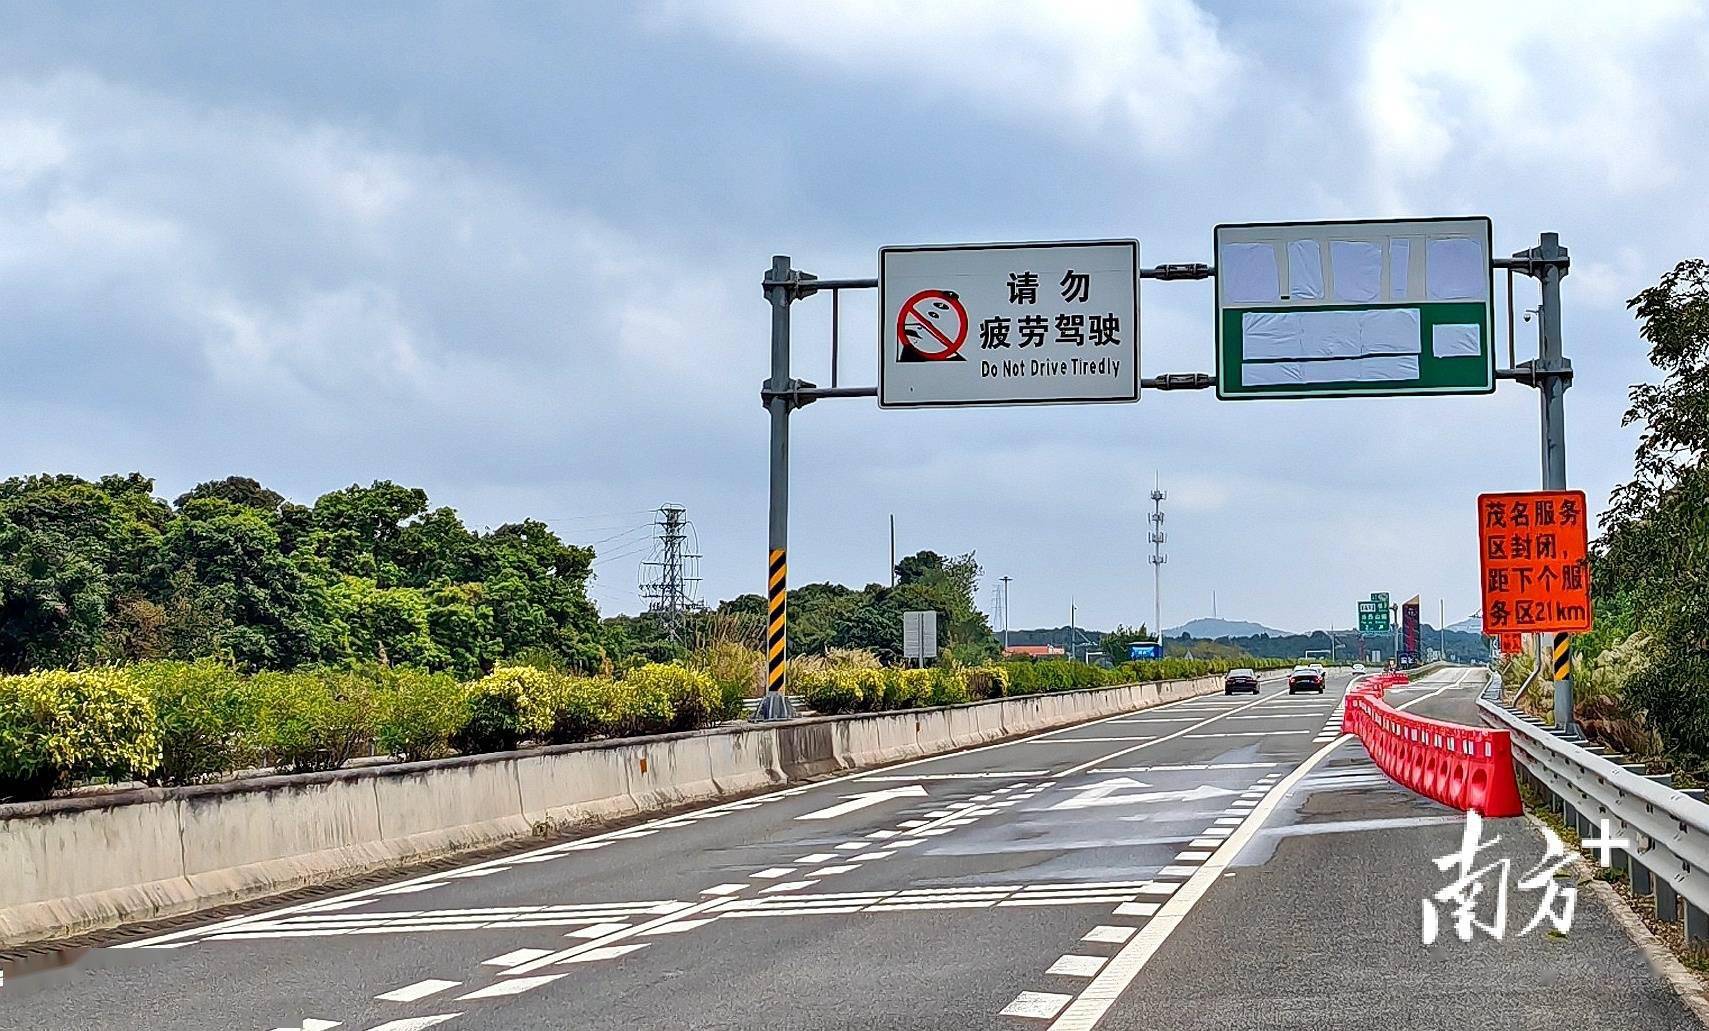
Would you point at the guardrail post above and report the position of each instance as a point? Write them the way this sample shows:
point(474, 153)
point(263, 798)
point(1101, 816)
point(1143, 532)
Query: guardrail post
point(1667, 902)
point(1696, 924)
point(1642, 884)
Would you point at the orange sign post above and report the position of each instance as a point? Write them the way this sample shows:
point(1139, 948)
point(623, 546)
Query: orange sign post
point(1534, 554)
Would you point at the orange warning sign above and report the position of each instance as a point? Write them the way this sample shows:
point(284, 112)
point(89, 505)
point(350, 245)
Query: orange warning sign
point(1534, 554)
point(1512, 644)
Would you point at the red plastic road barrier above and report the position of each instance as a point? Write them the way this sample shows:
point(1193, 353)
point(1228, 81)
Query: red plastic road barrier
point(1464, 767)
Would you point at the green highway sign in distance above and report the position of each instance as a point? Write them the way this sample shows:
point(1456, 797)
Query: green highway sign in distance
point(1354, 309)
point(1374, 615)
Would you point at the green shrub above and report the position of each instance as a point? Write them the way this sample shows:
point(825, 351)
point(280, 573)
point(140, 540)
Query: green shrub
point(739, 673)
point(417, 712)
point(313, 719)
point(949, 686)
point(505, 706)
point(581, 708)
point(59, 726)
point(987, 681)
point(203, 712)
point(827, 691)
point(659, 697)
point(909, 688)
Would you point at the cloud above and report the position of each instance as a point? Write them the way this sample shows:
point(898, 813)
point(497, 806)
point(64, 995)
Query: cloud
point(297, 282)
point(1533, 87)
point(1148, 76)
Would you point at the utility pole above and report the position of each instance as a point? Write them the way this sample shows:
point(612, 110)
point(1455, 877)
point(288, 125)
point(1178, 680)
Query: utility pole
point(669, 590)
point(1155, 517)
point(1071, 648)
point(781, 284)
point(1553, 373)
point(892, 551)
point(1005, 581)
point(1441, 629)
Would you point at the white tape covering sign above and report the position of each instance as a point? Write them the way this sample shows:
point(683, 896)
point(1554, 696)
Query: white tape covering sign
point(1310, 309)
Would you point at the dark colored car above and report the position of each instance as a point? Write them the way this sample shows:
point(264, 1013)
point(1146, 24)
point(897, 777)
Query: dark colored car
point(1240, 680)
point(1305, 678)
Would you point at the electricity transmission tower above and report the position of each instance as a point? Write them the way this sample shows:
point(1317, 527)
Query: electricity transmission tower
point(670, 579)
point(1155, 517)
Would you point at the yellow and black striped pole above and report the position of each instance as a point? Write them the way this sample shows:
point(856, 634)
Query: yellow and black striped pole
point(1563, 655)
point(777, 624)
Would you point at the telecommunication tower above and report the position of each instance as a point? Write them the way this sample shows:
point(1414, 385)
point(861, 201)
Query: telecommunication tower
point(1155, 517)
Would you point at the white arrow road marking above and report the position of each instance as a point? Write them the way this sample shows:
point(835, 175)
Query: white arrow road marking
point(414, 1023)
point(855, 803)
point(1109, 793)
point(313, 1025)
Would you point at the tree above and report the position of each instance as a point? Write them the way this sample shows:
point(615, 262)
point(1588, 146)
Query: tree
point(1115, 643)
point(1651, 564)
point(239, 490)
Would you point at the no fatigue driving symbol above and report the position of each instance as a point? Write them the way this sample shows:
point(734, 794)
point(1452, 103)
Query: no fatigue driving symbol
point(931, 327)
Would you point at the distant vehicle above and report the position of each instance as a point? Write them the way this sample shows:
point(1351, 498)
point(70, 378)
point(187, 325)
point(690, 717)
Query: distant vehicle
point(1319, 667)
point(1305, 678)
point(1240, 680)
point(1358, 669)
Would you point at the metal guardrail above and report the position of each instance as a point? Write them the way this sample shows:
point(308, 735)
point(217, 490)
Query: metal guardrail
point(1586, 783)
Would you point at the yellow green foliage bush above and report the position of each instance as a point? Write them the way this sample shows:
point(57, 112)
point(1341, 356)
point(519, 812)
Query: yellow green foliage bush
point(60, 725)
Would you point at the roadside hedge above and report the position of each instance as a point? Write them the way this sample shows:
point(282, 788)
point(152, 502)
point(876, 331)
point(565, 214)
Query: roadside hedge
point(180, 722)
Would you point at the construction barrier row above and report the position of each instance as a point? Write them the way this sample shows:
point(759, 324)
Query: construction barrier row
point(1468, 768)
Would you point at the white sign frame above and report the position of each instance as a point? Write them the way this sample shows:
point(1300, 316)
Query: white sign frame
point(1404, 297)
point(920, 635)
point(908, 268)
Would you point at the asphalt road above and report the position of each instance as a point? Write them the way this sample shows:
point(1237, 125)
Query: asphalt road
point(1215, 863)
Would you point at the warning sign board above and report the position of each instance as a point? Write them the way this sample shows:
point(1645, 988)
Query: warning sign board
point(1534, 555)
point(1008, 323)
point(1511, 644)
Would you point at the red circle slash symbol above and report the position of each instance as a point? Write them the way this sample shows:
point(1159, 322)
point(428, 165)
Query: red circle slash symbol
point(931, 327)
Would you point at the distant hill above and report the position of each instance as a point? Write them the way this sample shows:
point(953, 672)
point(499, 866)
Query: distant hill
point(1209, 628)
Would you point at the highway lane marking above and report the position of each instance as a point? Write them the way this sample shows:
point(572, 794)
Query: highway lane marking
point(515, 986)
point(514, 957)
point(1039, 1005)
point(1084, 1012)
point(1109, 934)
point(855, 803)
point(1249, 733)
point(1076, 966)
point(413, 1023)
point(498, 865)
point(418, 990)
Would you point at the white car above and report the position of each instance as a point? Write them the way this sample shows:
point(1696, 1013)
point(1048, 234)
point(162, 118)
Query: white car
point(1358, 669)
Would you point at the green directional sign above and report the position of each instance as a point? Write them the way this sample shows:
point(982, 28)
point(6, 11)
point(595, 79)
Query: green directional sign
point(1374, 615)
point(1354, 309)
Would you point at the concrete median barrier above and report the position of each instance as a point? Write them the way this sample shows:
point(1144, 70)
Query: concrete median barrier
point(81, 864)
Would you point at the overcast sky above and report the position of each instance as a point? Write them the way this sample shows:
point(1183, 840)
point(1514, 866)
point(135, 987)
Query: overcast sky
point(512, 254)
